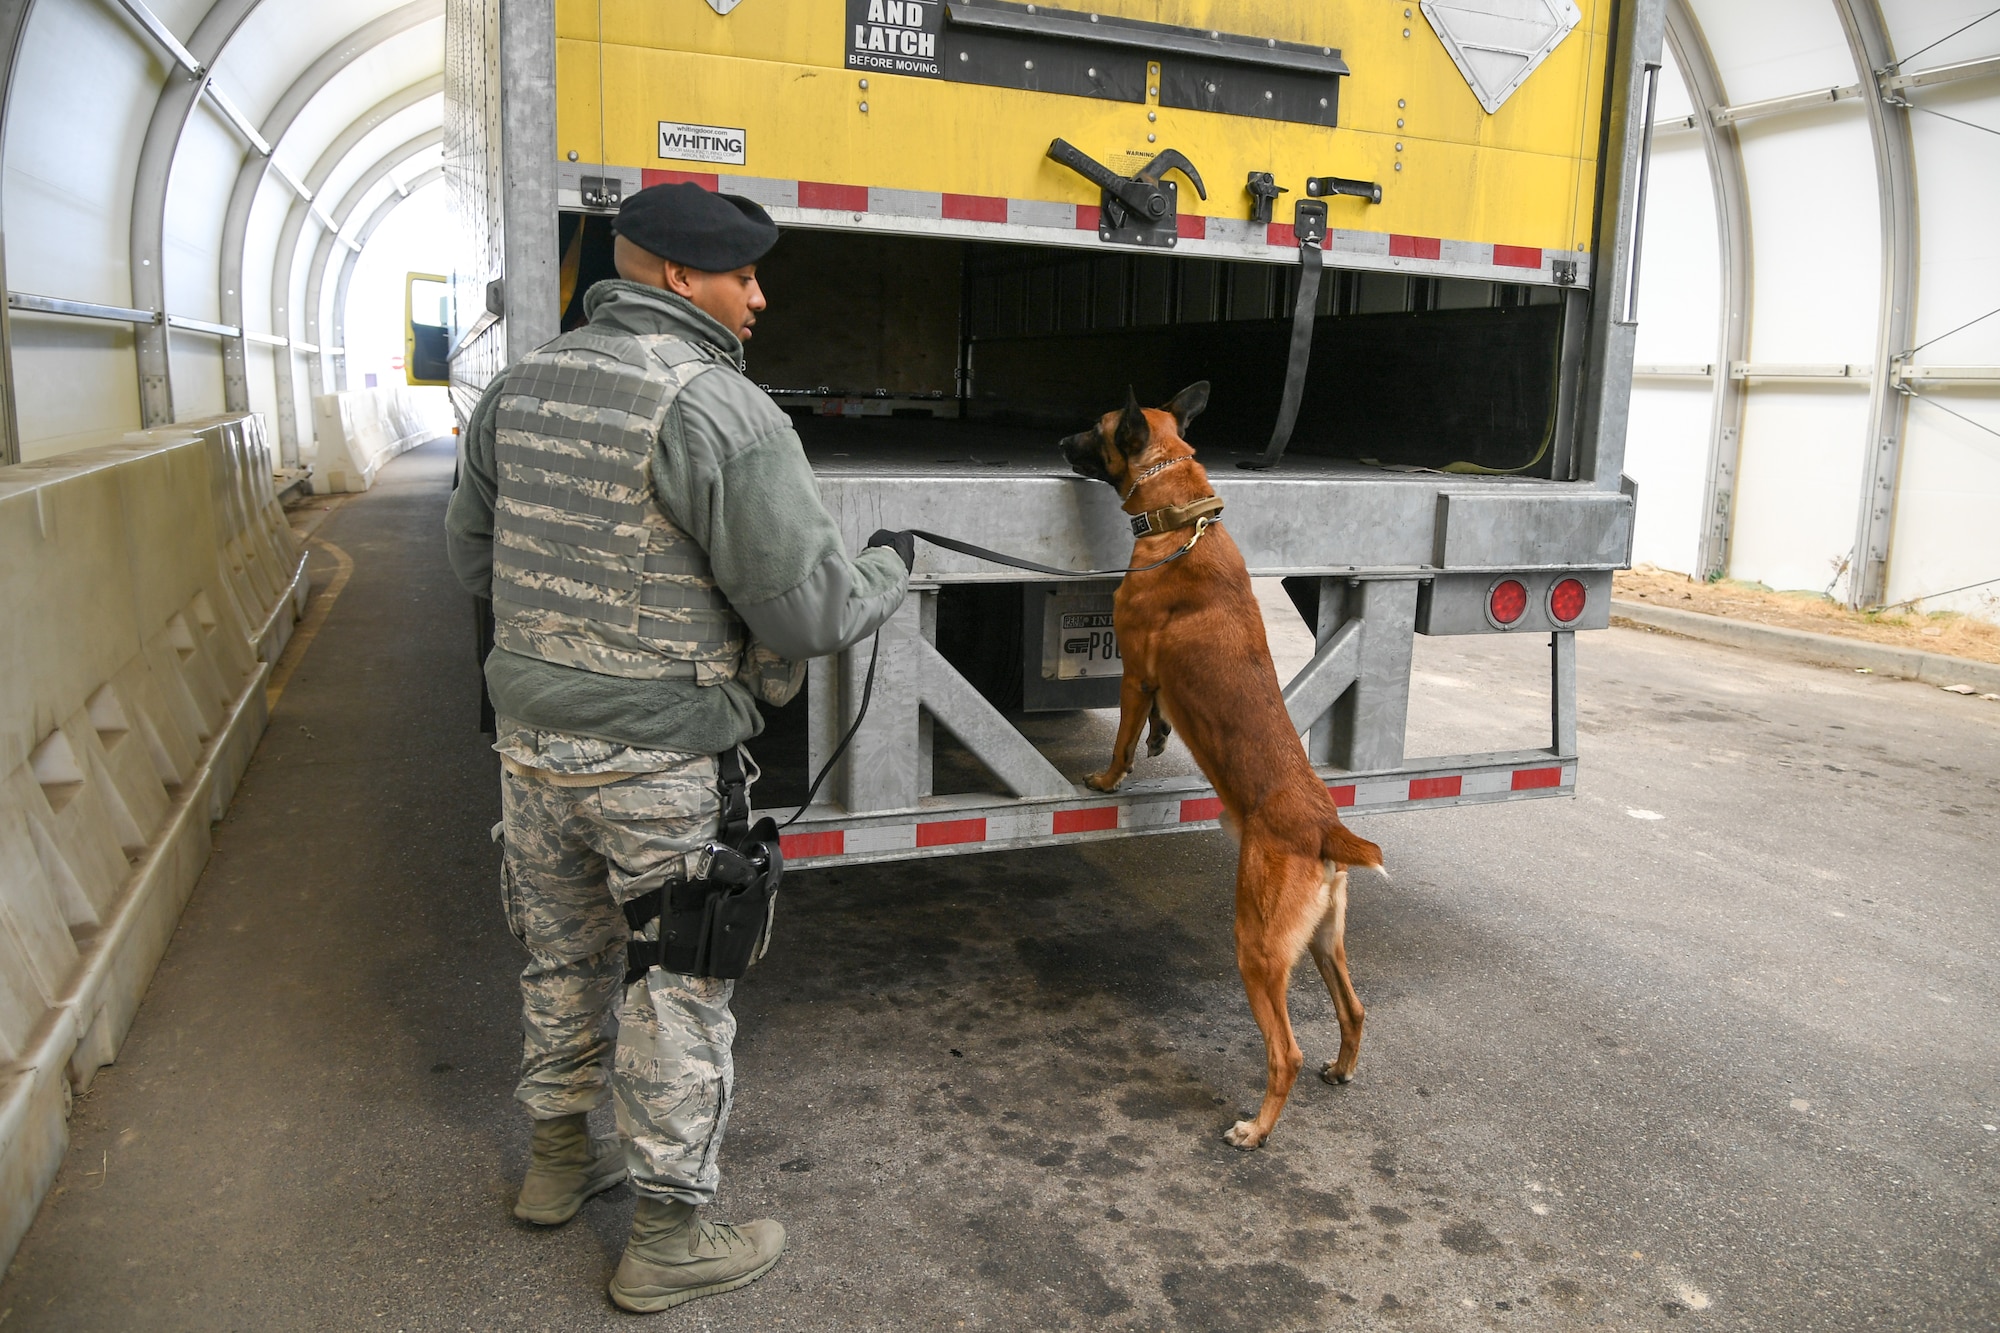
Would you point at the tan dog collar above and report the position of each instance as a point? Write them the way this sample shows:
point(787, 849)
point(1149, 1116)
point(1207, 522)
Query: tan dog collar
point(1172, 517)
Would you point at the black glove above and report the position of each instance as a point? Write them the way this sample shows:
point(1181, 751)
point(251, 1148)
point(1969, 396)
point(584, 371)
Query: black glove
point(902, 543)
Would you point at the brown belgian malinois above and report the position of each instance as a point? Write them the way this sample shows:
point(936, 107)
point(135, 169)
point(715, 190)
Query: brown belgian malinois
point(1196, 661)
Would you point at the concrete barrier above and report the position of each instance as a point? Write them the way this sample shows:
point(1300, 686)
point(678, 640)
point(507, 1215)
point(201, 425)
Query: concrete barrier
point(359, 430)
point(147, 584)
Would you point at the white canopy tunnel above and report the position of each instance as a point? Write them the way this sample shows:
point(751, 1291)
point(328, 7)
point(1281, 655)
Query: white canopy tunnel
point(171, 172)
point(1808, 410)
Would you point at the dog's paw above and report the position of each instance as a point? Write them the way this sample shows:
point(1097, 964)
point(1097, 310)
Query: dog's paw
point(1102, 781)
point(1333, 1076)
point(1156, 744)
point(1243, 1134)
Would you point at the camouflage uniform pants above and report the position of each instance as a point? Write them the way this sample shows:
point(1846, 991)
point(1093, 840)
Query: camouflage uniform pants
point(573, 854)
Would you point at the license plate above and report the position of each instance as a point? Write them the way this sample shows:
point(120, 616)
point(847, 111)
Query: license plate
point(1087, 646)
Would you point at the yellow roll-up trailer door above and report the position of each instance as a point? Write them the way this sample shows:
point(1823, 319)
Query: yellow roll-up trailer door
point(1479, 120)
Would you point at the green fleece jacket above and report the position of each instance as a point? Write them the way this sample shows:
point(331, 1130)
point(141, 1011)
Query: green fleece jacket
point(730, 472)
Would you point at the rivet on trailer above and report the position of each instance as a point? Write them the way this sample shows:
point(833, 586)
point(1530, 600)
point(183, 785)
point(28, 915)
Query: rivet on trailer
point(998, 216)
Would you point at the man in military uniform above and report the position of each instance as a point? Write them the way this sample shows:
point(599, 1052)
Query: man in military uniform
point(658, 558)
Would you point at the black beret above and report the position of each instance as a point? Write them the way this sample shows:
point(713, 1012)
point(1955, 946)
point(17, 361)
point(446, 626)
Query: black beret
point(693, 226)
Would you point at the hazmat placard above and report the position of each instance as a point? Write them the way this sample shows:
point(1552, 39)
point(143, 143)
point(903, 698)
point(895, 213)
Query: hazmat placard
point(701, 143)
point(895, 36)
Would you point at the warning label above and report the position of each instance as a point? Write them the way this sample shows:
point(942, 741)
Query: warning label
point(700, 143)
point(895, 36)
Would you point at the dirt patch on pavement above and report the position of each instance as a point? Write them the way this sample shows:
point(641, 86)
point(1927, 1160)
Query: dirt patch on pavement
point(1941, 632)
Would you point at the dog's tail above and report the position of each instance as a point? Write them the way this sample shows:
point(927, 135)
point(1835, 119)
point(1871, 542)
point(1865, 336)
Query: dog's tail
point(1341, 846)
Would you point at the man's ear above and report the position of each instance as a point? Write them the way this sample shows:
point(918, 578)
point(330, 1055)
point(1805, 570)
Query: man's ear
point(1187, 405)
point(1134, 432)
point(677, 278)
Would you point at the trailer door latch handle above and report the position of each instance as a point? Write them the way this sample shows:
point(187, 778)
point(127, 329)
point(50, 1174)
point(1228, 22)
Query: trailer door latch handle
point(1263, 191)
point(1319, 187)
point(1139, 209)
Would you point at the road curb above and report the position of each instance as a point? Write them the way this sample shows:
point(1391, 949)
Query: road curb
point(1803, 646)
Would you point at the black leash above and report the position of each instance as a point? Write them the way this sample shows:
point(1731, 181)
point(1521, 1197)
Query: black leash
point(867, 693)
point(998, 558)
point(1001, 558)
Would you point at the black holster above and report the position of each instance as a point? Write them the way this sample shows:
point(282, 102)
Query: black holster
point(718, 925)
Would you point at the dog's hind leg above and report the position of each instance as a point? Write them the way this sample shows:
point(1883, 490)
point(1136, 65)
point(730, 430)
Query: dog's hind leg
point(1158, 729)
point(1278, 900)
point(1329, 951)
point(1135, 701)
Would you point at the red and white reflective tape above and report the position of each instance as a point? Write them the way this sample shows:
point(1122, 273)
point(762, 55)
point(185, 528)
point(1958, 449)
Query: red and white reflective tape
point(818, 203)
point(1022, 824)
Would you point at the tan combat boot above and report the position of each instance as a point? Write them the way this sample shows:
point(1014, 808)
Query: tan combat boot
point(565, 1167)
point(670, 1257)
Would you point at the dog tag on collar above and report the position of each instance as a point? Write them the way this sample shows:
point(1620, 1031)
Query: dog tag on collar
point(1142, 525)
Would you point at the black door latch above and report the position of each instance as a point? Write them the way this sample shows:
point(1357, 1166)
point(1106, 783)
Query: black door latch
point(1140, 209)
point(1264, 191)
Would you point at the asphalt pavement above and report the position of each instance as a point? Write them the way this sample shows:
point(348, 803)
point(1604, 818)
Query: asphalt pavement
point(1711, 1044)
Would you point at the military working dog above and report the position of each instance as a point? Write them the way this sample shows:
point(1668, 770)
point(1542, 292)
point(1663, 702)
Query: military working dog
point(1196, 661)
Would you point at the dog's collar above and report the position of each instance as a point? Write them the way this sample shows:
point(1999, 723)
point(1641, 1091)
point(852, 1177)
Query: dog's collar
point(1172, 517)
point(1148, 475)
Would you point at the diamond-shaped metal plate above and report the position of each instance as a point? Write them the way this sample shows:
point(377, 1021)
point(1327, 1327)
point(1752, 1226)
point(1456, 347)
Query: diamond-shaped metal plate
point(1497, 44)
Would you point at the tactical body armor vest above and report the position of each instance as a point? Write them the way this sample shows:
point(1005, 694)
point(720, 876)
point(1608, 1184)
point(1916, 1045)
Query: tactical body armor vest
point(588, 571)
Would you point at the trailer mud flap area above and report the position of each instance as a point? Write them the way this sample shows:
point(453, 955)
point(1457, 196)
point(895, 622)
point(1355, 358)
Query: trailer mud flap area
point(1351, 699)
point(947, 826)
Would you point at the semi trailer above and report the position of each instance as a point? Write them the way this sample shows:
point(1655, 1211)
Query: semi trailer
point(1400, 242)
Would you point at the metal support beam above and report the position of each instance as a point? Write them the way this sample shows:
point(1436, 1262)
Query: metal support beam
point(1367, 725)
point(1324, 679)
point(190, 325)
point(235, 117)
point(1731, 187)
point(1607, 378)
point(149, 200)
point(530, 259)
point(316, 272)
point(887, 767)
point(163, 35)
point(1562, 693)
point(236, 219)
point(1925, 78)
point(56, 305)
point(1896, 191)
point(361, 235)
point(1778, 106)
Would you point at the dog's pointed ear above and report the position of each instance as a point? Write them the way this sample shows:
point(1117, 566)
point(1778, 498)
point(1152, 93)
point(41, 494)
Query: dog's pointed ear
point(1187, 405)
point(1134, 432)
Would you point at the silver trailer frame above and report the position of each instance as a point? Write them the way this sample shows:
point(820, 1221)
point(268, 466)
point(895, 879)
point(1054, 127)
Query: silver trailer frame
point(1394, 554)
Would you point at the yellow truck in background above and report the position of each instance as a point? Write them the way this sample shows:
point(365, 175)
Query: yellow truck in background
point(1399, 240)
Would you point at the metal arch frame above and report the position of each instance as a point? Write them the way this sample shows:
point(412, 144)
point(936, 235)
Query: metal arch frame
point(1896, 191)
point(13, 22)
point(286, 255)
point(316, 271)
point(236, 221)
point(429, 176)
point(1732, 219)
point(377, 115)
point(161, 145)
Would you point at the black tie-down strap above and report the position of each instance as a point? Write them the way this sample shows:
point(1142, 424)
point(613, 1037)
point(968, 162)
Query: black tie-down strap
point(718, 925)
point(1309, 225)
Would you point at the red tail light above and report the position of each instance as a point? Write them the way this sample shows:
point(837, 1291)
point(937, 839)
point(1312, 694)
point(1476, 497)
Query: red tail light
point(1566, 601)
point(1507, 601)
